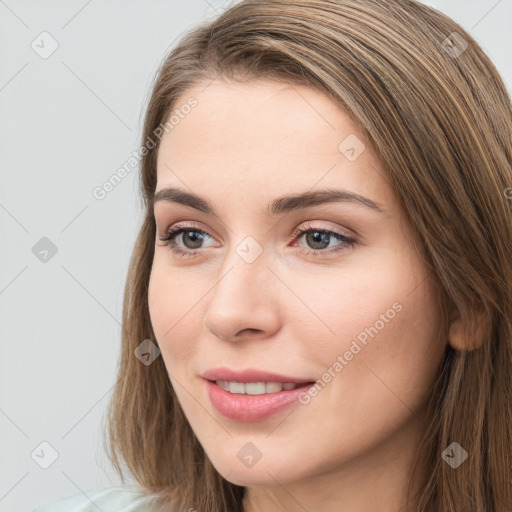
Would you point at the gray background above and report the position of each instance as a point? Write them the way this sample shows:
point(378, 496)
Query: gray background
point(67, 123)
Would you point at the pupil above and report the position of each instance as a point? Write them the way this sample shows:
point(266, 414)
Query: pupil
point(194, 235)
point(317, 237)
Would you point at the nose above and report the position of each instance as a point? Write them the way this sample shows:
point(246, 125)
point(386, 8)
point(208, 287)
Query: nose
point(243, 303)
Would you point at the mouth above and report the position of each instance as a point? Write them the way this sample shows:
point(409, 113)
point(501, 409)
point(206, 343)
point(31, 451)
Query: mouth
point(253, 401)
point(252, 394)
point(258, 388)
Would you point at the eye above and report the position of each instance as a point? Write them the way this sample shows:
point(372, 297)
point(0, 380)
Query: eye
point(320, 240)
point(190, 235)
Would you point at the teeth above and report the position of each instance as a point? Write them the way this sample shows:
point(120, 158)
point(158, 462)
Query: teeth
point(224, 384)
point(274, 387)
point(255, 388)
point(237, 387)
point(251, 388)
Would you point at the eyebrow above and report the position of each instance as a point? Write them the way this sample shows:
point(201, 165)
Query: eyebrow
point(277, 206)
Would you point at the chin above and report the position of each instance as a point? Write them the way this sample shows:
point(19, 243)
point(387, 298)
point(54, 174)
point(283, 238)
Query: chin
point(251, 477)
point(263, 472)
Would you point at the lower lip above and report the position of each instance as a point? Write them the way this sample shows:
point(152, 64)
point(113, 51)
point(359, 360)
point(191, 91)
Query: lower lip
point(251, 407)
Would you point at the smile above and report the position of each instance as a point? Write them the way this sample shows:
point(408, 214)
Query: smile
point(254, 388)
point(250, 401)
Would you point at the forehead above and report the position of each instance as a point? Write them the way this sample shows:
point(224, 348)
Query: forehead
point(265, 134)
point(257, 115)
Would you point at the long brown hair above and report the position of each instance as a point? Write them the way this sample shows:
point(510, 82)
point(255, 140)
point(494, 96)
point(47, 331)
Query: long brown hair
point(440, 118)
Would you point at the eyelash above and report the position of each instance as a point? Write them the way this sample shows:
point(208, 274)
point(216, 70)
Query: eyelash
point(171, 234)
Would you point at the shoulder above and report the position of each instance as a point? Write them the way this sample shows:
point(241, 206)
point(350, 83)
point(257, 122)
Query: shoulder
point(111, 499)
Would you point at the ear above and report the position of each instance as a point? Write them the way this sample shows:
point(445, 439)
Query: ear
point(470, 334)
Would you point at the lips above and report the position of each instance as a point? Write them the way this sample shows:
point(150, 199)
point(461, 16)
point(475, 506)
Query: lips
point(248, 408)
point(237, 395)
point(250, 375)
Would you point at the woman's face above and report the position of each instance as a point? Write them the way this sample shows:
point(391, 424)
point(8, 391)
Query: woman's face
point(348, 304)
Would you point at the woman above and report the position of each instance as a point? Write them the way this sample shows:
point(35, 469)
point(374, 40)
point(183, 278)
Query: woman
point(317, 312)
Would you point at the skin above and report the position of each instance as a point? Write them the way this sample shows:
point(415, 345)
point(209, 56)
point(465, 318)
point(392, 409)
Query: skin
point(348, 448)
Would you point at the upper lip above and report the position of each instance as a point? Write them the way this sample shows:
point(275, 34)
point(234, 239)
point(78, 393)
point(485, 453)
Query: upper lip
point(249, 375)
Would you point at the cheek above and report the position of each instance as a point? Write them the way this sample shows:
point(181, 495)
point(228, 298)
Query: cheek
point(170, 311)
point(408, 354)
point(382, 318)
